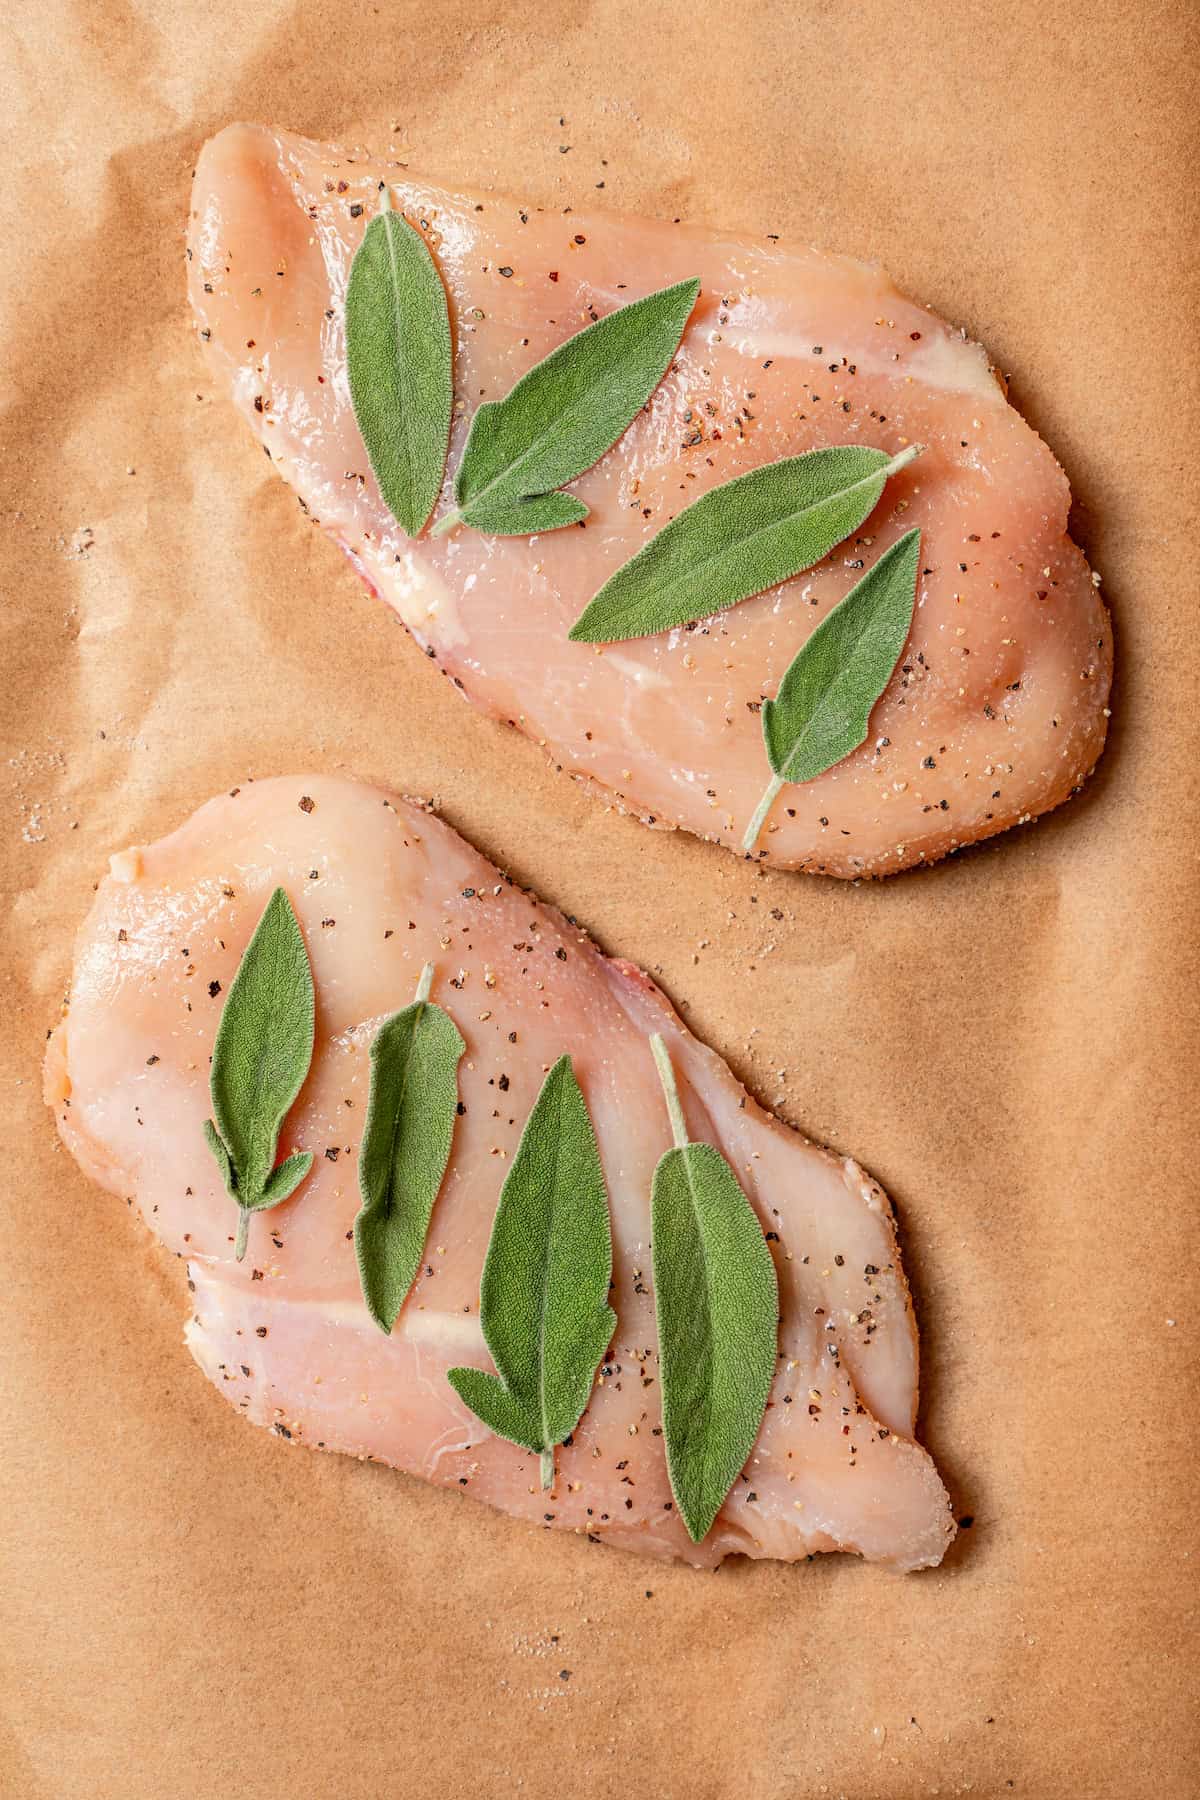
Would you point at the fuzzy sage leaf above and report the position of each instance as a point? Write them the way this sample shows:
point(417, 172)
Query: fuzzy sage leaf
point(405, 1147)
point(823, 706)
point(739, 539)
point(563, 415)
point(399, 360)
point(717, 1301)
point(544, 1294)
point(262, 1052)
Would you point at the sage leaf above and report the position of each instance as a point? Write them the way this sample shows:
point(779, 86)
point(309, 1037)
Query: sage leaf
point(521, 518)
point(262, 1053)
point(565, 413)
point(405, 1147)
point(544, 1293)
point(400, 363)
point(717, 1300)
point(740, 539)
point(213, 1139)
point(283, 1181)
point(823, 706)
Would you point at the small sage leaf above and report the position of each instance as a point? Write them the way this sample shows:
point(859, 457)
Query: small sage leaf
point(717, 1300)
point(566, 412)
point(262, 1053)
point(213, 1139)
point(823, 707)
point(544, 1294)
point(286, 1178)
point(405, 1148)
point(500, 1411)
point(740, 539)
point(400, 363)
point(522, 518)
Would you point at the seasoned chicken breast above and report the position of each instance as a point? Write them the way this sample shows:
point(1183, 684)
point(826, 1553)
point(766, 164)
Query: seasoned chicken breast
point(996, 710)
point(380, 888)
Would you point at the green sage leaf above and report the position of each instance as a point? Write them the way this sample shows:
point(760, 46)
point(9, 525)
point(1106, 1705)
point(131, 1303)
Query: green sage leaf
point(565, 413)
point(717, 1300)
point(823, 707)
point(284, 1180)
point(740, 539)
point(544, 1294)
point(262, 1053)
point(405, 1147)
point(399, 360)
point(521, 518)
point(212, 1138)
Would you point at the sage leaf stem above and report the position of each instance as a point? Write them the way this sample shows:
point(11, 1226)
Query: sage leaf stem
point(770, 794)
point(666, 1075)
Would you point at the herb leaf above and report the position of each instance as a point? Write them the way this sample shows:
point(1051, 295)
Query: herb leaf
point(717, 1300)
point(823, 706)
point(262, 1052)
point(287, 1177)
point(521, 518)
point(740, 539)
point(399, 360)
point(544, 1294)
point(405, 1147)
point(212, 1138)
point(565, 413)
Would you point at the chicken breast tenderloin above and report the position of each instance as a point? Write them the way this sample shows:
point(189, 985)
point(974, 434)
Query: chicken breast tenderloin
point(997, 709)
point(380, 887)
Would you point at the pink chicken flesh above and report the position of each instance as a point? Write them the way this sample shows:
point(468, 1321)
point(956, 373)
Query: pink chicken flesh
point(380, 887)
point(997, 709)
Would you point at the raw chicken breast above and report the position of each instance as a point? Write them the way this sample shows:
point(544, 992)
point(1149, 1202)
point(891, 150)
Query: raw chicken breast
point(379, 888)
point(997, 710)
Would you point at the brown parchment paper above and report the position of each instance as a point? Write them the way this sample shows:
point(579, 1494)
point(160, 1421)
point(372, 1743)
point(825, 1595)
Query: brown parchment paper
point(1008, 1041)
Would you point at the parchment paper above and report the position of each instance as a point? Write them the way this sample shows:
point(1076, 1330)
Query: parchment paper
point(1008, 1042)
